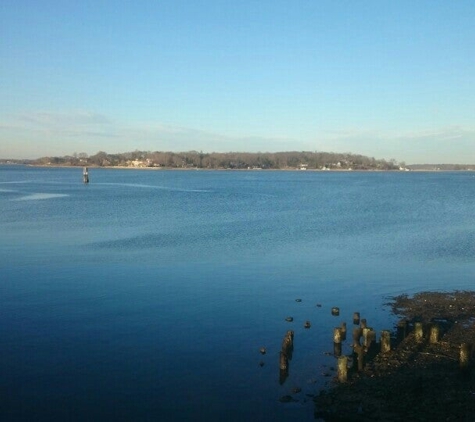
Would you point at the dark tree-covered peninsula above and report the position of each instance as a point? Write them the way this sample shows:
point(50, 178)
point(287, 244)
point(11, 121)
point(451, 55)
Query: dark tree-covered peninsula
point(301, 160)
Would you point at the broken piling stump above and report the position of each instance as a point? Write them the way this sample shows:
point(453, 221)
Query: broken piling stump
point(283, 361)
point(434, 334)
point(343, 331)
point(357, 332)
point(418, 331)
point(401, 330)
point(337, 335)
point(385, 341)
point(342, 369)
point(359, 352)
point(464, 359)
point(288, 343)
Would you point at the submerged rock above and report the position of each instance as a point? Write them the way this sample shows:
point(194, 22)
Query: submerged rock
point(287, 399)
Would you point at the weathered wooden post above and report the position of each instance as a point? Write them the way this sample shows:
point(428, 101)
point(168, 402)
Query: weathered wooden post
point(335, 311)
point(465, 351)
point(357, 335)
point(343, 331)
point(337, 349)
point(337, 335)
point(371, 337)
point(342, 369)
point(359, 352)
point(385, 341)
point(288, 343)
point(418, 331)
point(434, 334)
point(283, 362)
point(356, 318)
point(367, 337)
point(283, 367)
point(337, 341)
point(363, 323)
point(401, 330)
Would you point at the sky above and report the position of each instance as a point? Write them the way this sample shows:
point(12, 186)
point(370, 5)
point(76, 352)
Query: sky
point(387, 79)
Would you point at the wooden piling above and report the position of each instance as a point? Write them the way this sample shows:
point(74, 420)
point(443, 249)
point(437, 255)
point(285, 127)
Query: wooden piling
point(335, 311)
point(385, 341)
point(363, 323)
point(357, 335)
point(283, 361)
point(356, 318)
point(464, 359)
point(401, 330)
point(337, 349)
point(418, 331)
point(371, 338)
point(342, 369)
point(337, 335)
point(367, 337)
point(343, 331)
point(434, 334)
point(288, 342)
point(359, 352)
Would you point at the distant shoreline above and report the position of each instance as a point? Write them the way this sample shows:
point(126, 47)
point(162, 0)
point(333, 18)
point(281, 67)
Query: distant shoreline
point(333, 170)
point(221, 169)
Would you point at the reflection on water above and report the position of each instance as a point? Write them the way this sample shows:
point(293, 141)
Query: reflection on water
point(39, 196)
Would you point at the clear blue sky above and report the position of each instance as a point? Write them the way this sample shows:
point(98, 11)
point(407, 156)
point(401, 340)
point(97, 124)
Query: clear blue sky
point(389, 79)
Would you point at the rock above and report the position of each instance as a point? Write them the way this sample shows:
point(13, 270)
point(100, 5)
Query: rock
point(289, 319)
point(287, 399)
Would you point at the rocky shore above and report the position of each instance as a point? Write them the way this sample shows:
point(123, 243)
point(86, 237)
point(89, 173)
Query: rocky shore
point(420, 379)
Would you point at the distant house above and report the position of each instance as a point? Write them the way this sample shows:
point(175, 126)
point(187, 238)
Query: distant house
point(136, 163)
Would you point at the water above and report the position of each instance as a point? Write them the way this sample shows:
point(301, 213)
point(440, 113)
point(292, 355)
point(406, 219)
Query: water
point(146, 295)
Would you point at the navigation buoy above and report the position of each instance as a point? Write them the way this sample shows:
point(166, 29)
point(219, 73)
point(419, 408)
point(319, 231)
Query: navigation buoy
point(85, 175)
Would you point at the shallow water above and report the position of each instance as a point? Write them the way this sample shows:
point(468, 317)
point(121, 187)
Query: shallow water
point(146, 295)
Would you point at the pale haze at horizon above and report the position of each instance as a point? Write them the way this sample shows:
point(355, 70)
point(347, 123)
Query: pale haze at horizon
point(384, 79)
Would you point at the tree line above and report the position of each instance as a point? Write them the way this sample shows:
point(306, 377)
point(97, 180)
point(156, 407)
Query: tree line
point(228, 160)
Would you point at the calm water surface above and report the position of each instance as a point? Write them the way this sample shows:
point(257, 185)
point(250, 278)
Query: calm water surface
point(146, 295)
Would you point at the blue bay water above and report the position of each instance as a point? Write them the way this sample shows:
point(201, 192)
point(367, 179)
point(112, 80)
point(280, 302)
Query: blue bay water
point(146, 295)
